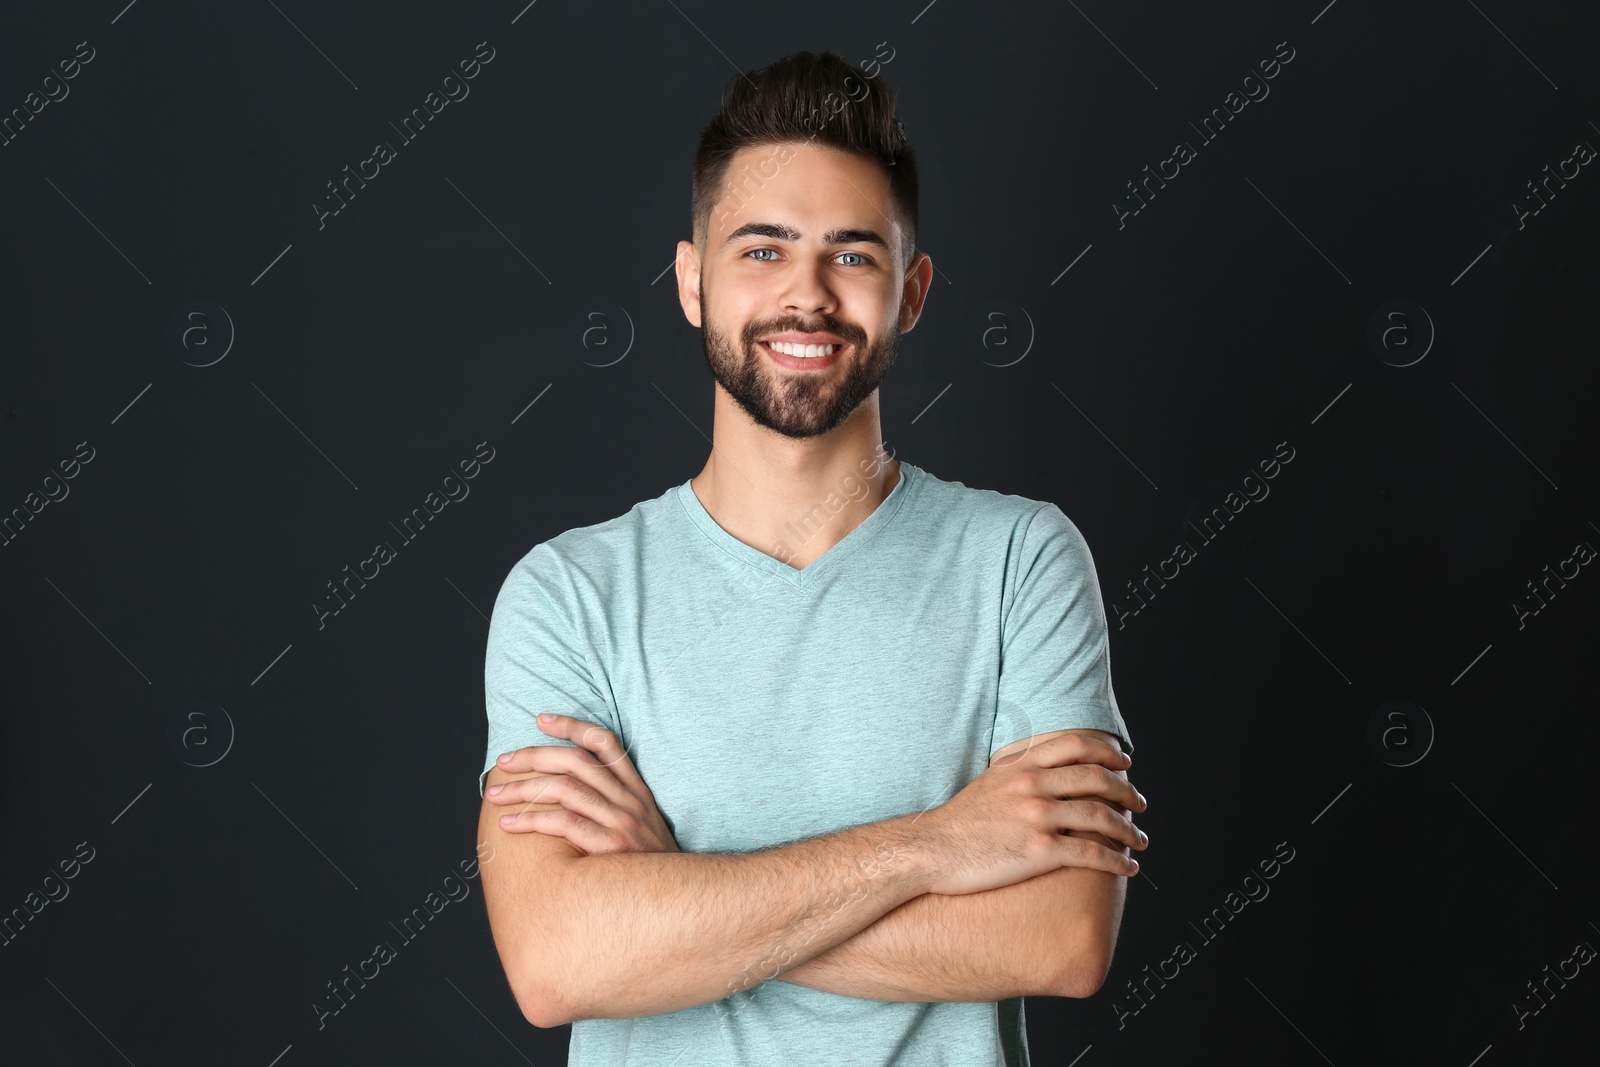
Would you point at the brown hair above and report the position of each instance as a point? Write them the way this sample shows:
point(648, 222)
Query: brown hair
point(813, 98)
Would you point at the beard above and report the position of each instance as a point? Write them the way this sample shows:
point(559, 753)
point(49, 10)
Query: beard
point(796, 404)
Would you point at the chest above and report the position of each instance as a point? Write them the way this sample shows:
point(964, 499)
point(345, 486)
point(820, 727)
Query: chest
point(777, 714)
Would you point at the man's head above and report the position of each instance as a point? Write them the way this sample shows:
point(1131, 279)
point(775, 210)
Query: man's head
point(804, 218)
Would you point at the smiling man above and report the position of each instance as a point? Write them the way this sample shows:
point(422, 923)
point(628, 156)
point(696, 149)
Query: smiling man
point(834, 771)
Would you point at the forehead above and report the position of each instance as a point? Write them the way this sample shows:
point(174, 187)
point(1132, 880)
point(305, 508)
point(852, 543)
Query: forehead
point(811, 188)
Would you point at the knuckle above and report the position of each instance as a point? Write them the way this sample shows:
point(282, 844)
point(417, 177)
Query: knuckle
point(1036, 808)
point(1093, 852)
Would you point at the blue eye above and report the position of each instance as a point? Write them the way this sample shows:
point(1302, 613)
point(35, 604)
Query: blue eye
point(858, 255)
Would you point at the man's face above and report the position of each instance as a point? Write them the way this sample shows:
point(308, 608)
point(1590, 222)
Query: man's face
point(812, 264)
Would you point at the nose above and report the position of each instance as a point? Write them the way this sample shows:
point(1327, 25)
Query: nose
point(806, 291)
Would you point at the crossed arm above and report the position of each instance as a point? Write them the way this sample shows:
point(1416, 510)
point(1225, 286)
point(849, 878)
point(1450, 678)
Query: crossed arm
point(1051, 935)
point(1047, 936)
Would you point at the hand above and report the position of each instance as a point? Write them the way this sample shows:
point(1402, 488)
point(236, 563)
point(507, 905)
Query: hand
point(1007, 825)
point(605, 805)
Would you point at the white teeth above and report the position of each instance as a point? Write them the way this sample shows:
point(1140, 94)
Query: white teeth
point(803, 351)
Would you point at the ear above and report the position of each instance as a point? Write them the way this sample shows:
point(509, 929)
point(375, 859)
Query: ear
point(688, 268)
point(918, 278)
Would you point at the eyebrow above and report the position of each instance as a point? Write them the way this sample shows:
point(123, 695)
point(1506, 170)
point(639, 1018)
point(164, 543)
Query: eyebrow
point(780, 232)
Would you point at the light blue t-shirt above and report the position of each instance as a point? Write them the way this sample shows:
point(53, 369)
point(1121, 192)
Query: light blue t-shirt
point(764, 705)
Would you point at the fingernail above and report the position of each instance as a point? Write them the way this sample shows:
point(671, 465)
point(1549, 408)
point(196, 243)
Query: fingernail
point(493, 789)
point(545, 716)
point(503, 757)
point(504, 819)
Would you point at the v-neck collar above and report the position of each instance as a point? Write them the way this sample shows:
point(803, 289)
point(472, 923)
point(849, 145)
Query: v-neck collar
point(811, 572)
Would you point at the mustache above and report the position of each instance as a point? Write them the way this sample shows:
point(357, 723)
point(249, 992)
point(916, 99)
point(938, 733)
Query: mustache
point(851, 334)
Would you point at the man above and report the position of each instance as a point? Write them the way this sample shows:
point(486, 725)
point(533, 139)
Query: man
point(886, 795)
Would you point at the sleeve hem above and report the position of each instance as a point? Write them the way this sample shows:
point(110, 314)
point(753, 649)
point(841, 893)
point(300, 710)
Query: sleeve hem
point(1101, 716)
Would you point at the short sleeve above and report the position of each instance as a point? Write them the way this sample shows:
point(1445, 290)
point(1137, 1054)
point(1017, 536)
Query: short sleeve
point(1055, 654)
point(534, 662)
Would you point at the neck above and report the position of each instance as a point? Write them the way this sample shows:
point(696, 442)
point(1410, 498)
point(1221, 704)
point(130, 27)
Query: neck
point(794, 499)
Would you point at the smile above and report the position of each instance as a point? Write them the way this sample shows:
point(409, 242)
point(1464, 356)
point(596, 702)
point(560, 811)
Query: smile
point(802, 357)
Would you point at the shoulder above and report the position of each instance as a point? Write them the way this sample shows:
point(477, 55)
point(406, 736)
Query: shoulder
point(1010, 516)
point(585, 556)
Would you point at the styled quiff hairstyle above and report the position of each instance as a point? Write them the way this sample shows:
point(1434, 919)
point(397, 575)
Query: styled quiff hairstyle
point(807, 98)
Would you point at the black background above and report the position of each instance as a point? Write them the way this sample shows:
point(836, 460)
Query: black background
point(372, 354)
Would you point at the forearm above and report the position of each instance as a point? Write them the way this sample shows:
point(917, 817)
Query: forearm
point(649, 933)
point(1050, 935)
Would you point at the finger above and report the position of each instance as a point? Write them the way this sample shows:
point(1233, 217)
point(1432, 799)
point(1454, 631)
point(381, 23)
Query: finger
point(526, 758)
point(605, 746)
point(1083, 852)
point(630, 800)
point(547, 819)
point(1094, 816)
point(1088, 779)
point(1082, 748)
point(527, 820)
point(520, 760)
point(577, 831)
point(572, 795)
point(573, 760)
point(530, 758)
point(522, 792)
point(576, 763)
